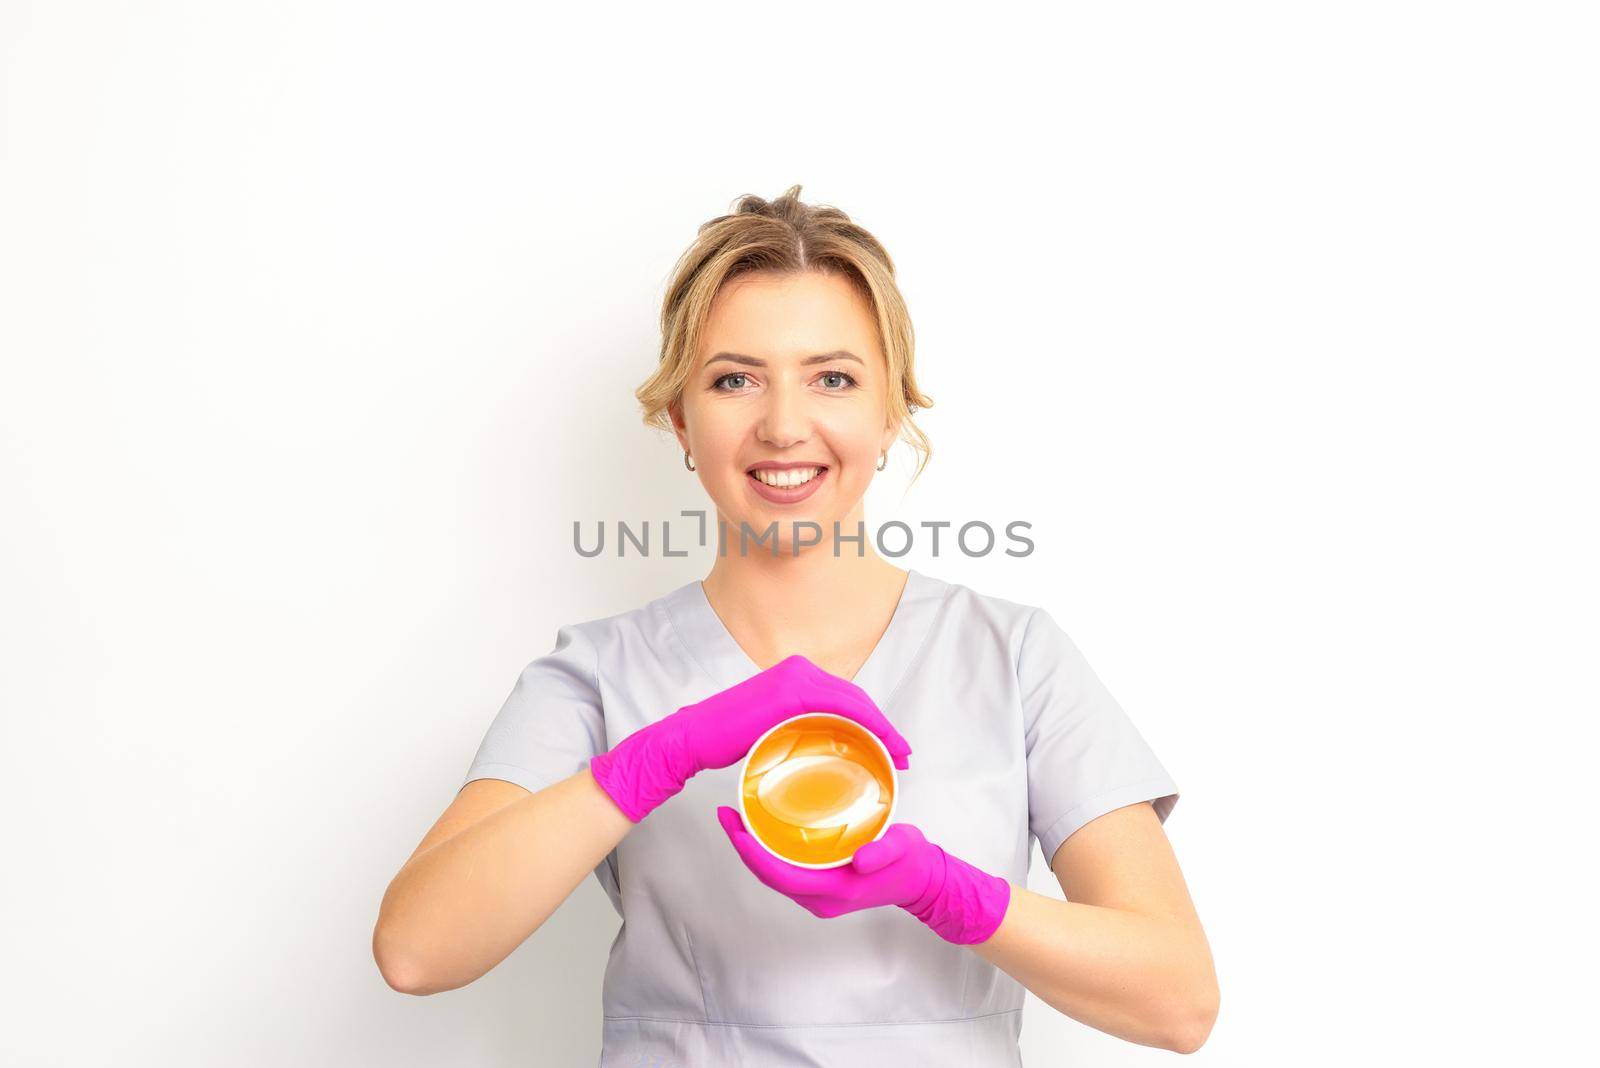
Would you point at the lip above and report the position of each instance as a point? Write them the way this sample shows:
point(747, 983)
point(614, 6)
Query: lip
point(786, 494)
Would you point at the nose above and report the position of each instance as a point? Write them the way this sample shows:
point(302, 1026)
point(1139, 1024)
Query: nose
point(784, 418)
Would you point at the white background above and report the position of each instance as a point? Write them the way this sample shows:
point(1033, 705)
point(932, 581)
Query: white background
point(320, 327)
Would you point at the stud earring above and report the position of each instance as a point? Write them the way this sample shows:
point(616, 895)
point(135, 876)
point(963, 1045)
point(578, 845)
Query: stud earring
point(686, 461)
point(883, 462)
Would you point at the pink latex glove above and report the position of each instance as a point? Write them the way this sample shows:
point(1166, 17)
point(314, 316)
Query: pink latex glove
point(653, 763)
point(961, 903)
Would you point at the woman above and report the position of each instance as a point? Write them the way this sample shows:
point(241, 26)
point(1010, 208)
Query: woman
point(786, 375)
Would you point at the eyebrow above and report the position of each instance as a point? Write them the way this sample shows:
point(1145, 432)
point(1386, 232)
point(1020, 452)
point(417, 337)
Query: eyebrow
point(751, 361)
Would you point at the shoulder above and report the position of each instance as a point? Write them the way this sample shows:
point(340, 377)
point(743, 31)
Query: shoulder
point(983, 618)
point(646, 626)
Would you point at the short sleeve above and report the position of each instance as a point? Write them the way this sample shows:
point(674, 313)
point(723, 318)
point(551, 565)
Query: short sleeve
point(552, 722)
point(1085, 757)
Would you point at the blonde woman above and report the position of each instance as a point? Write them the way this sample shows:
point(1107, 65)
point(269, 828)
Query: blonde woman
point(786, 374)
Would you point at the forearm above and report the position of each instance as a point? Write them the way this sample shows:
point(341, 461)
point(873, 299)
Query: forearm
point(1143, 978)
point(459, 908)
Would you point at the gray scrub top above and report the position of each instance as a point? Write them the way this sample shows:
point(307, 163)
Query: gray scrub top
point(1012, 736)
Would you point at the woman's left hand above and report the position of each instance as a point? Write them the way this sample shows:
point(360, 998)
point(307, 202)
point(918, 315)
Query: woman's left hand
point(959, 902)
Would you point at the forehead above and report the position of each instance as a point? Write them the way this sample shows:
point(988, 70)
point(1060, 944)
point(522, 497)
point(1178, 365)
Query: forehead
point(782, 317)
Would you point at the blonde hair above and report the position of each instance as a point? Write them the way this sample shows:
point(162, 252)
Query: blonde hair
point(788, 237)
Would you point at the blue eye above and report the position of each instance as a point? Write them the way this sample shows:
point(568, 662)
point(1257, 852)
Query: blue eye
point(734, 381)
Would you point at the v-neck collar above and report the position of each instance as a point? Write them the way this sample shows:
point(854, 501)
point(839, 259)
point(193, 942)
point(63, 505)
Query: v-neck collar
point(711, 645)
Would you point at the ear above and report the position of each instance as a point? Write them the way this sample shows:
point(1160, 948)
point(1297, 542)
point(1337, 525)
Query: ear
point(680, 428)
point(891, 434)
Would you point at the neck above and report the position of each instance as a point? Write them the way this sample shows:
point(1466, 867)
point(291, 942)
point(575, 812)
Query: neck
point(785, 603)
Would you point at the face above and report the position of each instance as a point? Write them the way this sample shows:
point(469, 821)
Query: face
point(789, 387)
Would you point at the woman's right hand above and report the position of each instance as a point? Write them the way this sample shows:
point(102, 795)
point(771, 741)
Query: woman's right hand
point(652, 764)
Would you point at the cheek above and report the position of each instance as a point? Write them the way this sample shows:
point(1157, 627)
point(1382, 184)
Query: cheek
point(856, 437)
point(715, 437)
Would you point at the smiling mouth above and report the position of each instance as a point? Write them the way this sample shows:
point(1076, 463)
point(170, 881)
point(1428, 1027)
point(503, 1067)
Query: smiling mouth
point(787, 477)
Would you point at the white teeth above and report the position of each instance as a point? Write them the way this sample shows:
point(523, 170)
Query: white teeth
point(794, 476)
